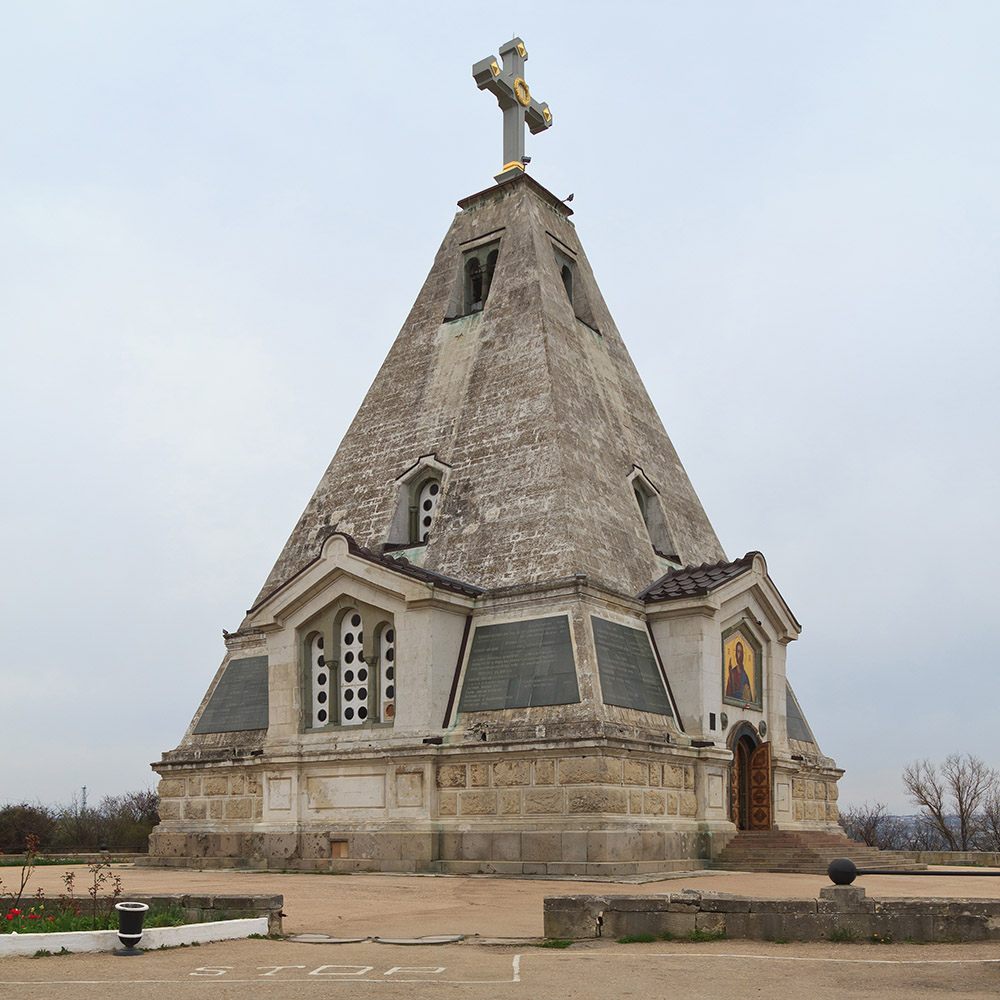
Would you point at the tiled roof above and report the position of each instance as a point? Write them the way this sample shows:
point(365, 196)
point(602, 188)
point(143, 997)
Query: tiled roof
point(695, 581)
point(403, 565)
point(400, 565)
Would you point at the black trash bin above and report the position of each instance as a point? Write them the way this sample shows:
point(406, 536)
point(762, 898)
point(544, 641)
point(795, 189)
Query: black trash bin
point(130, 918)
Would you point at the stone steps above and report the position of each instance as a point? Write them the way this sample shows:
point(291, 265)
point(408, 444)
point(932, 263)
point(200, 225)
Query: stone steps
point(805, 852)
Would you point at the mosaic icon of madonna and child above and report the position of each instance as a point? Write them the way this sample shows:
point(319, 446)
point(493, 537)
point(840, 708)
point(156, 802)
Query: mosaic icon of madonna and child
point(741, 671)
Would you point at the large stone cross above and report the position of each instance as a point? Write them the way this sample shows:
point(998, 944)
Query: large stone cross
point(515, 100)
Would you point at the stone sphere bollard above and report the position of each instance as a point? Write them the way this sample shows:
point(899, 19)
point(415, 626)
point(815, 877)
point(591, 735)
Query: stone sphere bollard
point(842, 871)
point(130, 918)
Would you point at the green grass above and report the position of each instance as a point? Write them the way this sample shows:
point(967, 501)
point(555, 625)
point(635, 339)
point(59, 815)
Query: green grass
point(637, 939)
point(697, 935)
point(842, 934)
point(49, 919)
point(555, 943)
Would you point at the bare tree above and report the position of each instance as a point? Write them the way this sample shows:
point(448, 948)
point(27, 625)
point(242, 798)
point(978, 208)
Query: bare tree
point(990, 834)
point(874, 826)
point(952, 799)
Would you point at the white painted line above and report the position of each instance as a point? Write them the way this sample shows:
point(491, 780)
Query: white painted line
point(262, 980)
point(798, 958)
point(517, 969)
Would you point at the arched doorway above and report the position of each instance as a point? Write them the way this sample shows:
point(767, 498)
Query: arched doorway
point(750, 796)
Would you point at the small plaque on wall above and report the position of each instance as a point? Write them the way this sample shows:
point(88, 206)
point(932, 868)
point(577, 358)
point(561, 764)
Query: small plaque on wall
point(520, 664)
point(630, 675)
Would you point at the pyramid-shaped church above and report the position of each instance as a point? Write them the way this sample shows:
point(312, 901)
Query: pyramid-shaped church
point(503, 635)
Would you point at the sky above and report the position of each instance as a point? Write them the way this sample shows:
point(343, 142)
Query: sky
point(215, 216)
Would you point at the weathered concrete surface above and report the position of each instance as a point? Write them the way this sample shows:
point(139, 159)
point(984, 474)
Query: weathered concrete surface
point(248, 970)
point(839, 910)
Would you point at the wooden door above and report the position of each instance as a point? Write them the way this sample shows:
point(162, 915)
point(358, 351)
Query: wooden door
point(760, 788)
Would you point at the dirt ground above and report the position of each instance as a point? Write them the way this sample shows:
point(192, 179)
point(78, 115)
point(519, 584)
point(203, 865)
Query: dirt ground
point(499, 962)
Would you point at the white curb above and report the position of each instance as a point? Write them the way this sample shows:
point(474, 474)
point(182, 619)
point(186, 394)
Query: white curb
point(153, 938)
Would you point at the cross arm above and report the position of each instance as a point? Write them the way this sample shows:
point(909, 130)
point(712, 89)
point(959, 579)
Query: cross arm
point(487, 74)
point(538, 116)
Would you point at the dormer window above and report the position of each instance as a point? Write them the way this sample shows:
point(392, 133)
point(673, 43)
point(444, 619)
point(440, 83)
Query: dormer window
point(427, 496)
point(651, 510)
point(420, 490)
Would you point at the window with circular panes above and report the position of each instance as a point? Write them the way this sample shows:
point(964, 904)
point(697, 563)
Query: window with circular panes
point(387, 661)
point(427, 501)
point(355, 682)
point(320, 681)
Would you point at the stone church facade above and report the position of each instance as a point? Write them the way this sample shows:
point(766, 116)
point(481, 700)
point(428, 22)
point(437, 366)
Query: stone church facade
point(503, 635)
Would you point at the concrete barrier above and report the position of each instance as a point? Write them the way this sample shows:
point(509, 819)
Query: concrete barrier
point(840, 912)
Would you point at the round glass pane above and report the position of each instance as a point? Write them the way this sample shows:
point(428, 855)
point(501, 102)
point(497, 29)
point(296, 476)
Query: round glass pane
point(321, 679)
point(355, 620)
point(321, 697)
point(321, 715)
point(348, 713)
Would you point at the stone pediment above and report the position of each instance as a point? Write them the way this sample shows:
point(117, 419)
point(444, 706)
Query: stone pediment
point(342, 558)
point(707, 588)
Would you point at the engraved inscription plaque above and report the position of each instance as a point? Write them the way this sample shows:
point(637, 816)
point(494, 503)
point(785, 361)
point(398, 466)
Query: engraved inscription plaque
point(520, 664)
point(630, 676)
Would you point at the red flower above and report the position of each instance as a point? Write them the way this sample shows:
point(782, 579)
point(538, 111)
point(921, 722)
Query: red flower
point(52, 918)
point(16, 913)
point(10, 916)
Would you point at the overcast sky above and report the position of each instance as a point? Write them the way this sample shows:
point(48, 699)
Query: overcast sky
point(214, 217)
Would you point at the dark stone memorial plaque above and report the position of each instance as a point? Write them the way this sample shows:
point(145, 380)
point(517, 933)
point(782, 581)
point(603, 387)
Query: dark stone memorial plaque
point(239, 700)
point(520, 664)
point(630, 676)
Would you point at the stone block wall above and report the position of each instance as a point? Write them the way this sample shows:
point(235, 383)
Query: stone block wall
point(814, 800)
point(547, 787)
point(216, 795)
point(842, 911)
point(203, 908)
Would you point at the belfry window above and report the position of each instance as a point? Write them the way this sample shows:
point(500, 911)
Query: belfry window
point(576, 289)
point(478, 267)
point(350, 687)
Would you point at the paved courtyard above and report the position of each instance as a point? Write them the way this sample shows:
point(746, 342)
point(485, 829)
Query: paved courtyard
point(498, 959)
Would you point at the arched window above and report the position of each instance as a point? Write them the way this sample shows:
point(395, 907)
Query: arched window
point(478, 268)
point(346, 686)
point(491, 266)
point(320, 680)
point(387, 670)
point(354, 680)
point(567, 279)
point(474, 286)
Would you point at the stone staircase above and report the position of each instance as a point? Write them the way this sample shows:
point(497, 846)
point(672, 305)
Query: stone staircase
point(804, 852)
